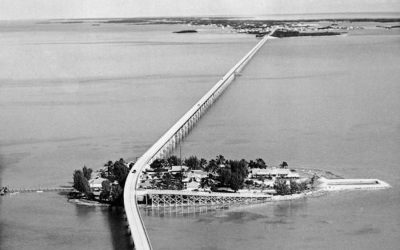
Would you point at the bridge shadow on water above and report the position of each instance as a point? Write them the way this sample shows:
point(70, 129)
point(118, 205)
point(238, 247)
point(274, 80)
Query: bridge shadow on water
point(195, 211)
point(273, 212)
point(181, 211)
point(118, 229)
point(113, 218)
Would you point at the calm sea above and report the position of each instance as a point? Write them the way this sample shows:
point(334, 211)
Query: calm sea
point(75, 94)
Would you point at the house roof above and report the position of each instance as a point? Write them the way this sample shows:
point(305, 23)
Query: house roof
point(293, 175)
point(145, 184)
point(96, 182)
point(192, 185)
point(271, 171)
point(197, 173)
point(178, 168)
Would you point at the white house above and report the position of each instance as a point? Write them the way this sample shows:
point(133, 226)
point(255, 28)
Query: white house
point(192, 185)
point(177, 169)
point(274, 173)
point(95, 185)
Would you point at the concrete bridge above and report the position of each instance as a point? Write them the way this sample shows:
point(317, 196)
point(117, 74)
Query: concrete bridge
point(166, 145)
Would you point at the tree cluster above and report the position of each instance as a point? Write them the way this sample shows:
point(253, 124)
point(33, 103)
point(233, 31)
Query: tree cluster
point(81, 180)
point(283, 188)
point(169, 181)
point(113, 191)
point(112, 188)
point(222, 173)
point(192, 163)
point(116, 171)
point(258, 163)
point(225, 173)
point(233, 174)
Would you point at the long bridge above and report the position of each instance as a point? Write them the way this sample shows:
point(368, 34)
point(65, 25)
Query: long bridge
point(166, 145)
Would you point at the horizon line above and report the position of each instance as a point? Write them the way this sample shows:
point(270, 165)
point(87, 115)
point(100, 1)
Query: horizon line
point(215, 16)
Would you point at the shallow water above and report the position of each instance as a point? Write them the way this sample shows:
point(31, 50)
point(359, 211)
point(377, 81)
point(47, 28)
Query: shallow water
point(48, 221)
point(77, 94)
point(329, 103)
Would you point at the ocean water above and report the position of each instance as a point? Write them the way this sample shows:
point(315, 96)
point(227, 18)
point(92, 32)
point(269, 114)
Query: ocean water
point(74, 94)
point(77, 94)
point(329, 103)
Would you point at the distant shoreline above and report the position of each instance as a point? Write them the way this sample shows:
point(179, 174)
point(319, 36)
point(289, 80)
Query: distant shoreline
point(207, 20)
point(288, 27)
point(183, 20)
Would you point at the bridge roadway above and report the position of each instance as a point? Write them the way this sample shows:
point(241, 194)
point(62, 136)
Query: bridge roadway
point(167, 143)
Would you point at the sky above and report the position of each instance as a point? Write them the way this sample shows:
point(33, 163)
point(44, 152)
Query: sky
point(50, 9)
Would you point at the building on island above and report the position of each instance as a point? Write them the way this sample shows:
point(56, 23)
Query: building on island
point(96, 185)
point(273, 173)
point(177, 169)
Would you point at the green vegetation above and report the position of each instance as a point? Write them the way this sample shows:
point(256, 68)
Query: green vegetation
point(285, 187)
point(87, 172)
point(113, 174)
point(258, 163)
point(106, 190)
point(158, 164)
point(233, 174)
point(222, 173)
point(217, 175)
point(284, 165)
point(81, 182)
point(193, 163)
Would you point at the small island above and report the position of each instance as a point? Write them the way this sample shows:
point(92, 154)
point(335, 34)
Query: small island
point(293, 33)
point(221, 175)
point(105, 186)
point(185, 31)
point(216, 176)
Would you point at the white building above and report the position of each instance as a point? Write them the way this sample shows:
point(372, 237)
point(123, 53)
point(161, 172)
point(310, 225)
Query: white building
point(95, 185)
point(274, 173)
point(177, 169)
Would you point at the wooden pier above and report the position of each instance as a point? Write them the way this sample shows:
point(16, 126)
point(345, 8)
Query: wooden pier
point(39, 190)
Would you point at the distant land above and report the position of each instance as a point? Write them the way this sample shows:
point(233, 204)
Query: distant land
point(305, 26)
point(185, 31)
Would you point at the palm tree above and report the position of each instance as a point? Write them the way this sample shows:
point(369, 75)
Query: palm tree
point(212, 166)
point(206, 182)
point(261, 163)
point(284, 164)
point(203, 163)
point(220, 159)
